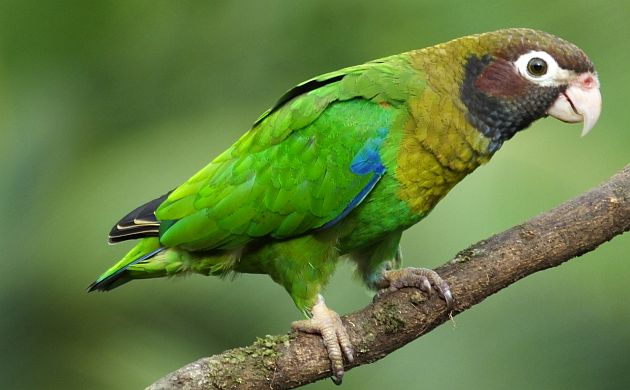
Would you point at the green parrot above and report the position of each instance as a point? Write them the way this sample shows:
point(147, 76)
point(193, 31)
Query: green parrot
point(343, 163)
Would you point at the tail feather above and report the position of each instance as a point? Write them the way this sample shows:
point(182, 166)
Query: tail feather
point(139, 223)
point(115, 276)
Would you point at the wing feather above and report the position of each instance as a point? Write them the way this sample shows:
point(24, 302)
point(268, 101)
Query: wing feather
point(293, 171)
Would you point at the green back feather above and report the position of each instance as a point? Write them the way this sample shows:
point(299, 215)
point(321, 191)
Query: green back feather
point(291, 172)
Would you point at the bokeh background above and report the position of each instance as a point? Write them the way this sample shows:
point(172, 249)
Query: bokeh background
point(105, 105)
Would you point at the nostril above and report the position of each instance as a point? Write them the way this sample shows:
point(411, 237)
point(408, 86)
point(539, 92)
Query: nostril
point(588, 81)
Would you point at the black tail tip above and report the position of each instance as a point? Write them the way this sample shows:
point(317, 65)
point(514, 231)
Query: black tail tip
point(108, 283)
point(95, 286)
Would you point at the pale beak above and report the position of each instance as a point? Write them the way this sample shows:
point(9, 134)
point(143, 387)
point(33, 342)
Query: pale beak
point(580, 102)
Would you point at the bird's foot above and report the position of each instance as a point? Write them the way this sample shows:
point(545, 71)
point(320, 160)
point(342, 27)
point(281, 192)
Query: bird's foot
point(425, 279)
point(327, 323)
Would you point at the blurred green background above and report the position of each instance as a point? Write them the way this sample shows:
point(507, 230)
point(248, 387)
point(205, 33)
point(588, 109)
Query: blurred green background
point(105, 105)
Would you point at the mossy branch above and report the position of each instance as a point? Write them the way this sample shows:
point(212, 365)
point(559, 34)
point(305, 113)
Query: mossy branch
point(283, 362)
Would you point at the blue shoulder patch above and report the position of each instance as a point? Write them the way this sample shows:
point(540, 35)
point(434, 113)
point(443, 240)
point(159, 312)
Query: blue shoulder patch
point(367, 161)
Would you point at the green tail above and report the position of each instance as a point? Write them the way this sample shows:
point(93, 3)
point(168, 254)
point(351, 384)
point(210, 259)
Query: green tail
point(149, 259)
point(121, 272)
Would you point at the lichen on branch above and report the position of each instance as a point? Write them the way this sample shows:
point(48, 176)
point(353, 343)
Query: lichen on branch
point(284, 362)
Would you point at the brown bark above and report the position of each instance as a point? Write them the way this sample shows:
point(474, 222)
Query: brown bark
point(283, 362)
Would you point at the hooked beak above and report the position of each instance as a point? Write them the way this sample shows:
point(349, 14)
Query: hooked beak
point(580, 102)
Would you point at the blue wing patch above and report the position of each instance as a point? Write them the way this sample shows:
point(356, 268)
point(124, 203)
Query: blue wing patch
point(367, 161)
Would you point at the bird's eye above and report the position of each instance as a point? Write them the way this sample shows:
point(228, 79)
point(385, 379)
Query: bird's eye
point(540, 68)
point(537, 67)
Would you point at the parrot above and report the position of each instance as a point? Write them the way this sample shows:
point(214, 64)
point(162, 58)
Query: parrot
point(345, 162)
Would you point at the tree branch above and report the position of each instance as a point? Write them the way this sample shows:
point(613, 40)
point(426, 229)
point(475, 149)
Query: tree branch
point(283, 362)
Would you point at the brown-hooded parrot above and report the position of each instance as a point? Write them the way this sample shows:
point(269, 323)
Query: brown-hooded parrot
point(343, 163)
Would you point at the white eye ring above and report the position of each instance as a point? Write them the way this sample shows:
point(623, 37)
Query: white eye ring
point(554, 76)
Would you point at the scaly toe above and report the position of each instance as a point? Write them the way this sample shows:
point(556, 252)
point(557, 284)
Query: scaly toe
point(426, 280)
point(327, 323)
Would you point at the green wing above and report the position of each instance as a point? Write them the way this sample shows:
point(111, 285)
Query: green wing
point(304, 163)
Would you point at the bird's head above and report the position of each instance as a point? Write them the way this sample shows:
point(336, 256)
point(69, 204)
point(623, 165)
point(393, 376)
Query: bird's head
point(516, 76)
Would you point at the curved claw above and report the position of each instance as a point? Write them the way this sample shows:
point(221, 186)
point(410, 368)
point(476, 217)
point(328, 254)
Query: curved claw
point(426, 286)
point(448, 297)
point(425, 279)
point(327, 323)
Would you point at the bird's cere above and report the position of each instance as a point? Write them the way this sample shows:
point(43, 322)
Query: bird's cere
point(580, 102)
